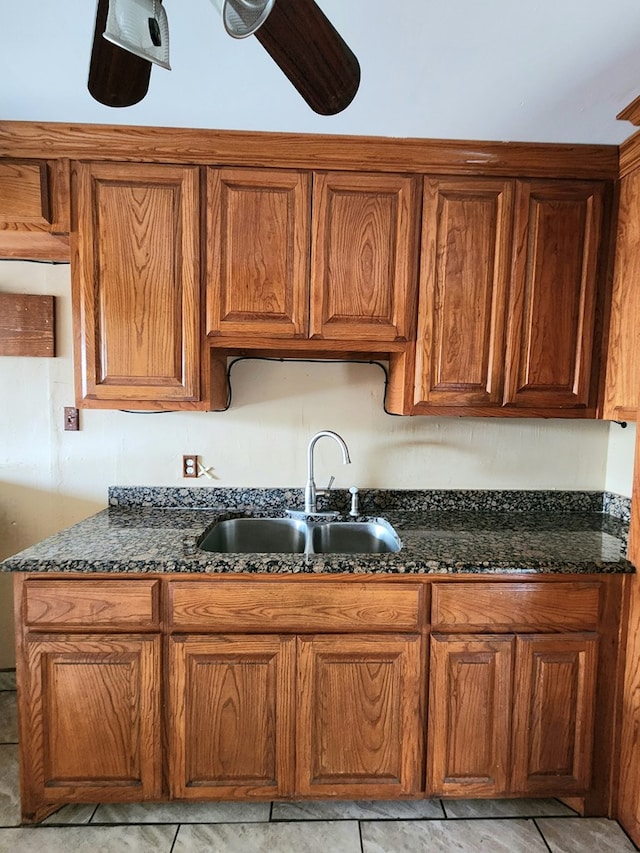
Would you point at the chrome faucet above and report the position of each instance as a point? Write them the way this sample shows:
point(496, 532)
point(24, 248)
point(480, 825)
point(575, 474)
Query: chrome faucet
point(310, 491)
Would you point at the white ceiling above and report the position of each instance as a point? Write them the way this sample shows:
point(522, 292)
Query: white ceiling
point(529, 70)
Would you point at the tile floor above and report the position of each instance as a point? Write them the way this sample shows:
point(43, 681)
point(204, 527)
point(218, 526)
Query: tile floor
point(428, 826)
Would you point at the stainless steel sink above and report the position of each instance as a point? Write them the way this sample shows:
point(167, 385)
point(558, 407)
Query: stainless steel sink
point(297, 536)
point(354, 537)
point(257, 536)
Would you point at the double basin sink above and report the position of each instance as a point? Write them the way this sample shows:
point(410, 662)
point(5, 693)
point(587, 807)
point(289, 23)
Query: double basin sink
point(298, 536)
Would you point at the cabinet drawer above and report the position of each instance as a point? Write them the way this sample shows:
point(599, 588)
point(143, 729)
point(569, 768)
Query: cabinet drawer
point(288, 606)
point(563, 606)
point(99, 603)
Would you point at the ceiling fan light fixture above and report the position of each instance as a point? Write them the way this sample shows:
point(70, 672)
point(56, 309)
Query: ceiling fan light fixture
point(117, 78)
point(141, 27)
point(242, 18)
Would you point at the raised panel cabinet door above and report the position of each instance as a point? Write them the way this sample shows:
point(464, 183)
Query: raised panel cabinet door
point(90, 719)
point(359, 732)
point(24, 194)
point(550, 362)
point(364, 256)
point(136, 284)
point(623, 352)
point(555, 688)
point(34, 209)
point(258, 232)
point(231, 716)
point(466, 244)
point(469, 715)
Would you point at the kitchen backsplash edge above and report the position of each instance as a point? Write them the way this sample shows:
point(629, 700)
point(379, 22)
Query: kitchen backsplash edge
point(374, 500)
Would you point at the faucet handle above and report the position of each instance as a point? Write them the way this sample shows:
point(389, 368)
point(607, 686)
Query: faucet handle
point(324, 492)
point(354, 511)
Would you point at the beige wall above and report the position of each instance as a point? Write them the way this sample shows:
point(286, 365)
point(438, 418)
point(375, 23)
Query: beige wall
point(50, 478)
point(620, 452)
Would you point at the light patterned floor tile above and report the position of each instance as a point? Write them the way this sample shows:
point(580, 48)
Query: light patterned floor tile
point(9, 786)
point(182, 813)
point(446, 836)
point(506, 808)
point(8, 717)
point(88, 839)
point(581, 834)
point(7, 679)
point(303, 837)
point(76, 813)
point(357, 810)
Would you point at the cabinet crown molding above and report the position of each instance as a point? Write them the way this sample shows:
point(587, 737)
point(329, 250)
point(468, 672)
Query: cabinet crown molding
point(306, 151)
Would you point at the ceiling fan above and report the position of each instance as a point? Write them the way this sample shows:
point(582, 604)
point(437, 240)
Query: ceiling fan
point(130, 35)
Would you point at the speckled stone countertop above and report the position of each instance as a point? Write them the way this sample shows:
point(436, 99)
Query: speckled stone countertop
point(443, 532)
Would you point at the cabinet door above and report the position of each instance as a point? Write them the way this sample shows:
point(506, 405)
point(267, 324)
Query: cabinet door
point(466, 241)
point(359, 716)
point(555, 284)
point(469, 715)
point(34, 209)
point(555, 685)
point(623, 354)
point(231, 716)
point(136, 285)
point(364, 250)
point(258, 224)
point(89, 719)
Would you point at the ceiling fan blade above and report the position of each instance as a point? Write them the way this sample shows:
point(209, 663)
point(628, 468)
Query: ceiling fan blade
point(117, 78)
point(312, 54)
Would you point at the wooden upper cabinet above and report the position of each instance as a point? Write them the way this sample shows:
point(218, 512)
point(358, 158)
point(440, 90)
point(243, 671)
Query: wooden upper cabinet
point(34, 209)
point(622, 392)
point(363, 259)
point(511, 300)
point(550, 360)
point(466, 242)
point(258, 223)
point(136, 285)
point(24, 194)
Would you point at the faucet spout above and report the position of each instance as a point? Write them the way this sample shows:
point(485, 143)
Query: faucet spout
point(310, 491)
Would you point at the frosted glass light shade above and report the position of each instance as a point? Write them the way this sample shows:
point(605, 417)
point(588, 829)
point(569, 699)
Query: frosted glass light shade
point(241, 18)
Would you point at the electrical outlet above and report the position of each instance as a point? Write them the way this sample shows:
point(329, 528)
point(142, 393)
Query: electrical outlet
point(190, 465)
point(71, 418)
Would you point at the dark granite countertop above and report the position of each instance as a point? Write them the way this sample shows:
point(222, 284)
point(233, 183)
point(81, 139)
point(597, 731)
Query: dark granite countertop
point(459, 532)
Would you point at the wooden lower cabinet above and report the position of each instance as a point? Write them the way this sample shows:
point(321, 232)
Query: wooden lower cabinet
point(240, 720)
point(89, 720)
point(178, 688)
point(359, 720)
point(469, 715)
point(511, 715)
point(553, 722)
point(231, 716)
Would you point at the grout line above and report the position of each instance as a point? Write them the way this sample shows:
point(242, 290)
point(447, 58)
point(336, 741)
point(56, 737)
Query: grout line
point(360, 836)
point(175, 838)
point(93, 813)
point(544, 840)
